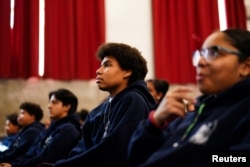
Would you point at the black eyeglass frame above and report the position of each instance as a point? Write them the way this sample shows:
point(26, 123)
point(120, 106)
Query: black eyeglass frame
point(211, 53)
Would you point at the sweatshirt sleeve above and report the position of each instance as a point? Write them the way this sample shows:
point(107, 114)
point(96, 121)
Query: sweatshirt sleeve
point(20, 145)
point(147, 138)
point(58, 147)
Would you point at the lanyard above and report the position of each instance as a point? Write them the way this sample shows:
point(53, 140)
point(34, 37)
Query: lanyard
point(108, 110)
point(190, 127)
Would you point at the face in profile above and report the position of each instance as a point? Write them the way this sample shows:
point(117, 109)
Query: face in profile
point(25, 118)
point(56, 108)
point(156, 95)
point(110, 77)
point(10, 128)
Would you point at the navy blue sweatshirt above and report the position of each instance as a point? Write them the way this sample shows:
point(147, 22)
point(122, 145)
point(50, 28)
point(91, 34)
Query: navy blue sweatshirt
point(23, 141)
point(223, 127)
point(120, 117)
point(54, 144)
point(6, 141)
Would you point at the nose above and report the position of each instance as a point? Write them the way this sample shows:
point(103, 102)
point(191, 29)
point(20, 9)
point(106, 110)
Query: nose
point(98, 71)
point(198, 59)
point(49, 105)
point(201, 61)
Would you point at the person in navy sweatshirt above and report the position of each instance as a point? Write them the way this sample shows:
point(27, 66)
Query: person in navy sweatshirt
point(11, 128)
point(217, 130)
point(62, 135)
point(29, 117)
point(109, 126)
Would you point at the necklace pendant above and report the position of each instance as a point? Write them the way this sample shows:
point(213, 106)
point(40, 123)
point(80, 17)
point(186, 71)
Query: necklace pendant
point(105, 134)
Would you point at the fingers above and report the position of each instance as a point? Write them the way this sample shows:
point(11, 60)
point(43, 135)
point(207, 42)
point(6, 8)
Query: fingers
point(175, 104)
point(189, 107)
point(183, 93)
point(182, 98)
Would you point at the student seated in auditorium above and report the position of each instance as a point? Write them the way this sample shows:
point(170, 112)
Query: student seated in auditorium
point(219, 120)
point(60, 138)
point(157, 88)
point(29, 117)
point(11, 128)
point(82, 115)
point(108, 128)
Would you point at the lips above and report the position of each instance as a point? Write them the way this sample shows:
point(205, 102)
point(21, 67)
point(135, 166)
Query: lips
point(98, 80)
point(49, 112)
point(200, 76)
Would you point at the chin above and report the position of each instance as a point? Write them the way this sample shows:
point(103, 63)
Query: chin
point(207, 91)
point(102, 88)
point(204, 89)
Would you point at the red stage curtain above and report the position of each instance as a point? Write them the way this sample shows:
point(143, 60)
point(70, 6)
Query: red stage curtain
point(5, 59)
point(24, 50)
point(73, 31)
point(236, 13)
point(179, 27)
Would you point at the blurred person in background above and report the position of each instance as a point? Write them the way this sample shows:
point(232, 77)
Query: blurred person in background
point(29, 117)
point(11, 128)
point(157, 88)
point(62, 135)
point(82, 115)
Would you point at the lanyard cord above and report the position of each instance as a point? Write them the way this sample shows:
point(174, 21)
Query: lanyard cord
point(190, 127)
point(107, 109)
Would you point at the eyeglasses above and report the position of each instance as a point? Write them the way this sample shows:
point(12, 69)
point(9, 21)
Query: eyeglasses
point(211, 53)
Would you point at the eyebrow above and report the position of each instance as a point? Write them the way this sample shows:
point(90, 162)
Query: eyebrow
point(106, 61)
point(54, 100)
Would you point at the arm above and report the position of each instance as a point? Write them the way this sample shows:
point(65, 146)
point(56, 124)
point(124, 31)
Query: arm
point(21, 145)
point(145, 136)
point(127, 113)
point(152, 133)
point(57, 146)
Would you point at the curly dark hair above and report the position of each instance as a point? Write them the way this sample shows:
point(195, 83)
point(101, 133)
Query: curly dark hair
point(33, 109)
point(129, 58)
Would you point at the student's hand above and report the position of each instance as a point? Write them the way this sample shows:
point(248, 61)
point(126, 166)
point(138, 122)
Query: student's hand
point(175, 104)
point(5, 165)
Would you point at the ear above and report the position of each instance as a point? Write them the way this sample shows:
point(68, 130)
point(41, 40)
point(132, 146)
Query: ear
point(127, 73)
point(67, 107)
point(33, 116)
point(245, 71)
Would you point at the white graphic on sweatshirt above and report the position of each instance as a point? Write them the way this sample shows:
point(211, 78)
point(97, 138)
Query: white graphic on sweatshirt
point(203, 133)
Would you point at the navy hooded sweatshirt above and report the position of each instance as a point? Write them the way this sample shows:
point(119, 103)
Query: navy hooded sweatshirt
point(223, 128)
point(121, 116)
point(54, 144)
point(23, 141)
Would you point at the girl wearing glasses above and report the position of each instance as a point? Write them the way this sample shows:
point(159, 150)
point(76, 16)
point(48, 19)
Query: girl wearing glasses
point(217, 130)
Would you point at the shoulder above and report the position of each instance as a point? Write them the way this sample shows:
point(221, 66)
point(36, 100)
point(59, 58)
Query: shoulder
point(131, 94)
point(35, 127)
point(67, 123)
